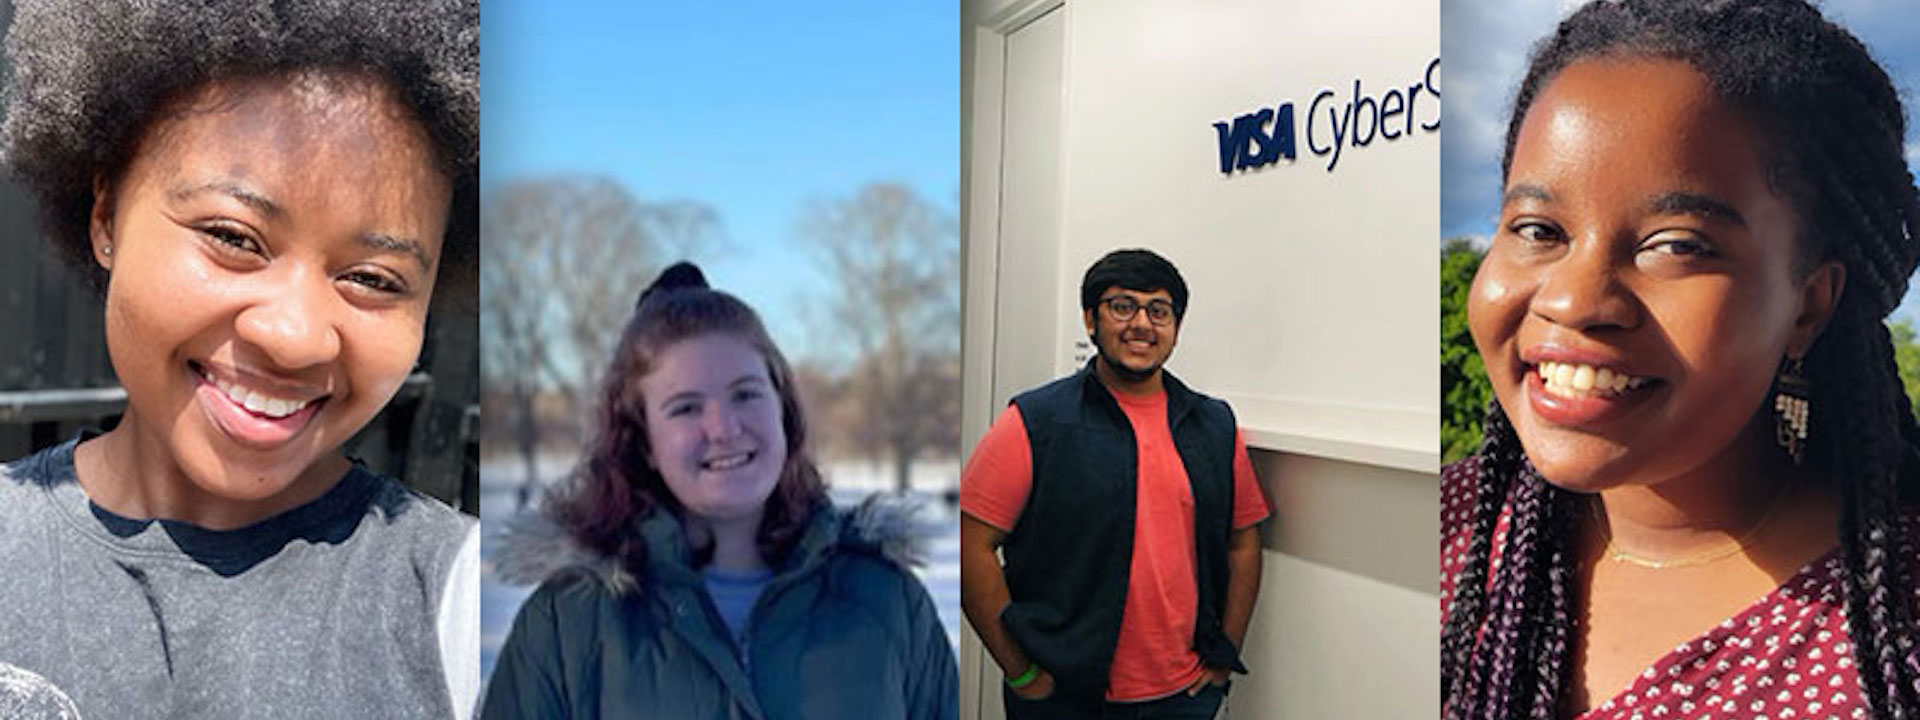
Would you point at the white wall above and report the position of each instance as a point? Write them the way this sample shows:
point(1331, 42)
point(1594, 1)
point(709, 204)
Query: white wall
point(1314, 309)
point(1348, 624)
point(1315, 293)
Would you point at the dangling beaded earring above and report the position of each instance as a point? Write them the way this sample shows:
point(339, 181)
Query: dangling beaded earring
point(1790, 392)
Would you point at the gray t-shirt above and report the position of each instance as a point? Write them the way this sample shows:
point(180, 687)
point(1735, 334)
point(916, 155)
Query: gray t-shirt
point(26, 696)
point(325, 611)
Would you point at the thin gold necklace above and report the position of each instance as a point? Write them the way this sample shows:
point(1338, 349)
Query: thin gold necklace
point(1618, 555)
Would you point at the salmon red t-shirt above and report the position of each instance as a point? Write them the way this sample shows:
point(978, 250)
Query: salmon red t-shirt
point(1154, 656)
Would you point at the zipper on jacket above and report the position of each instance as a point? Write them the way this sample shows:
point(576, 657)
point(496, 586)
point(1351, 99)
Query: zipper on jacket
point(779, 584)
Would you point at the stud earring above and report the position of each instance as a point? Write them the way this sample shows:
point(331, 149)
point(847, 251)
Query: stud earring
point(107, 250)
point(1790, 405)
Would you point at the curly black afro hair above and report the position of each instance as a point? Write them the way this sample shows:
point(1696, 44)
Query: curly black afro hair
point(87, 77)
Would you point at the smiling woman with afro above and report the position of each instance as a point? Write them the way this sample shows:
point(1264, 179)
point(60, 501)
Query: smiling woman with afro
point(269, 196)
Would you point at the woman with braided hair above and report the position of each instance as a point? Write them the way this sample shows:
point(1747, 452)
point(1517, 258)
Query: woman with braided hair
point(1694, 496)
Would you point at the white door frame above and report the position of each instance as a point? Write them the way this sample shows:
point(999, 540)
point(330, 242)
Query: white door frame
point(986, 24)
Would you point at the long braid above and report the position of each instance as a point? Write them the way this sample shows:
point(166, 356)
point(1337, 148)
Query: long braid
point(1528, 611)
point(1890, 609)
point(1834, 135)
point(1871, 447)
point(1515, 625)
point(1863, 455)
point(1872, 202)
point(1557, 627)
point(1499, 459)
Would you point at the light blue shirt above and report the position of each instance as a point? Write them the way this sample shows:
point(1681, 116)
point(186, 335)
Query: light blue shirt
point(734, 595)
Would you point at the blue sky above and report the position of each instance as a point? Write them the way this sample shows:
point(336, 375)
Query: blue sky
point(754, 108)
point(1485, 45)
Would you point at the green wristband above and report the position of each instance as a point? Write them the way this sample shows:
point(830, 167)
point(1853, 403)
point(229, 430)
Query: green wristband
point(1026, 678)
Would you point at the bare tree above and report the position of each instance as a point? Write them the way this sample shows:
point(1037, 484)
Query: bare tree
point(563, 260)
point(892, 261)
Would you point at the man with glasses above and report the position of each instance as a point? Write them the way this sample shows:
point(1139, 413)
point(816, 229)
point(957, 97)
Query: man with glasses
point(1127, 514)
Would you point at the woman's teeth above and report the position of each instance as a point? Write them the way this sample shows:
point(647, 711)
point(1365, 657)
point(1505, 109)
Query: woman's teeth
point(728, 462)
point(1572, 380)
point(257, 403)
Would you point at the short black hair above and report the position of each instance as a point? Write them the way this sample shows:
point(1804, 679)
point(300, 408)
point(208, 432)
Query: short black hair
point(87, 78)
point(1134, 269)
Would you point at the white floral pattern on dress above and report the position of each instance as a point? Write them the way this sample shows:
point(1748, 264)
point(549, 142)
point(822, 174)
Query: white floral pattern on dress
point(1786, 656)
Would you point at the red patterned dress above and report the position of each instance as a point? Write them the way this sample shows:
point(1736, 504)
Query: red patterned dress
point(1788, 655)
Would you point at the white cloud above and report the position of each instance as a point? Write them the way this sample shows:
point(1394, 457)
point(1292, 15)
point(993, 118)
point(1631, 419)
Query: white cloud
point(1484, 45)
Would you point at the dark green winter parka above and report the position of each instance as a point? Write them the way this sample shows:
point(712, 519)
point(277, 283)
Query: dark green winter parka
point(843, 630)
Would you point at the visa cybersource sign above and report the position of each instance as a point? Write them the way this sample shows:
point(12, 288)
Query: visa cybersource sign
point(1262, 137)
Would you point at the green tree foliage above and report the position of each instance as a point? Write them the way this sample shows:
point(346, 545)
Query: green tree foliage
point(1906, 354)
point(1463, 379)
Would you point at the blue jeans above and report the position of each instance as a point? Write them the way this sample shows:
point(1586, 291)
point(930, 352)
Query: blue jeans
point(1178, 706)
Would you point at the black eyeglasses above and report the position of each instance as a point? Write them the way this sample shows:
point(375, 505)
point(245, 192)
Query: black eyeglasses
point(1121, 308)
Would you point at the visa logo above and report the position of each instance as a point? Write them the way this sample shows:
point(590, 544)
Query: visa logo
point(1248, 142)
point(1262, 137)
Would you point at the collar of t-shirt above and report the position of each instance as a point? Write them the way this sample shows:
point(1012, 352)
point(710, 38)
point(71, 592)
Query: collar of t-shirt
point(1156, 399)
point(327, 518)
point(734, 594)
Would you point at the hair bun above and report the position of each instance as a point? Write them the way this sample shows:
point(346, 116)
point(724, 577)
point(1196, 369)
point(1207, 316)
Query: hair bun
point(682, 275)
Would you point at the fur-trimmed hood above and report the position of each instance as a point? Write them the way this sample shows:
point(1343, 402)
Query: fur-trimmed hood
point(840, 630)
point(535, 546)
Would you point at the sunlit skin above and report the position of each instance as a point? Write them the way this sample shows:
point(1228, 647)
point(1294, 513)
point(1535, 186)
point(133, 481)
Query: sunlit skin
point(1136, 345)
point(281, 233)
point(714, 433)
point(1639, 233)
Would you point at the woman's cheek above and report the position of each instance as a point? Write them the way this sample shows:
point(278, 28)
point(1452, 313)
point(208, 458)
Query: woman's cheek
point(1494, 305)
point(393, 350)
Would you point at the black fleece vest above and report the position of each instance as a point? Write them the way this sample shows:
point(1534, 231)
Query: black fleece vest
point(1068, 557)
